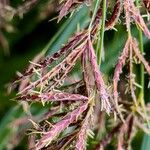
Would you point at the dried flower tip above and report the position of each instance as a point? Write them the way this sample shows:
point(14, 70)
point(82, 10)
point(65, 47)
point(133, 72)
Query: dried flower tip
point(52, 96)
point(60, 126)
point(147, 4)
point(105, 104)
point(140, 56)
point(72, 43)
point(118, 69)
point(115, 15)
point(135, 14)
point(65, 9)
point(68, 62)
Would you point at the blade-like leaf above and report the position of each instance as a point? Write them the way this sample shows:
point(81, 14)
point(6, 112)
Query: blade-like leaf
point(80, 19)
point(146, 142)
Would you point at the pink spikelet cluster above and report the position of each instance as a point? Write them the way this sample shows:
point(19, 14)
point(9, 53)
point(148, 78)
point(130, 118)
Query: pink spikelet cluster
point(140, 56)
point(130, 46)
point(78, 107)
point(69, 5)
point(134, 13)
point(64, 67)
point(147, 4)
point(47, 87)
point(60, 126)
point(52, 96)
point(105, 104)
point(114, 16)
point(82, 136)
point(41, 65)
point(118, 69)
point(64, 10)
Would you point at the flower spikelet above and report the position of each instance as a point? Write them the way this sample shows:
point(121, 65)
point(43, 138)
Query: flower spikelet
point(60, 126)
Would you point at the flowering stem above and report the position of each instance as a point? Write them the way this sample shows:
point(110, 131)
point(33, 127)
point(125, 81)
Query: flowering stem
point(94, 14)
point(141, 93)
point(100, 43)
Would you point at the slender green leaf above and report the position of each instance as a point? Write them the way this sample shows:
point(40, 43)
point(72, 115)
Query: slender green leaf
point(80, 19)
point(146, 142)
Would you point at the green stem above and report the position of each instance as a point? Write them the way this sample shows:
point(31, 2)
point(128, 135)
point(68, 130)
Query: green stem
point(141, 92)
point(94, 15)
point(100, 43)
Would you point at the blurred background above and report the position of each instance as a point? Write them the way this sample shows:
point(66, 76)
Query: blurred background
point(26, 29)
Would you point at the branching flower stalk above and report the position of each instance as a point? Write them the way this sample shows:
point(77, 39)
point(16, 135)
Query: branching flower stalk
point(141, 92)
point(100, 43)
point(80, 103)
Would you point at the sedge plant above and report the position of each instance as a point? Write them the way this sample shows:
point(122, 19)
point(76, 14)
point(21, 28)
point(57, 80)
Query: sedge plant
point(90, 107)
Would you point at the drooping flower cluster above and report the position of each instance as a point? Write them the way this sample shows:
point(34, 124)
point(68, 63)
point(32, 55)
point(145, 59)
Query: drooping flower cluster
point(90, 97)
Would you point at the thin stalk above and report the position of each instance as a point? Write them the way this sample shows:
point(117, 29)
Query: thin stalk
point(94, 15)
point(141, 92)
point(100, 44)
